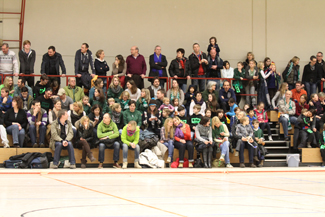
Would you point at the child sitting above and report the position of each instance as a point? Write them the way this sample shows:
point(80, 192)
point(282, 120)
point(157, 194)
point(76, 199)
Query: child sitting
point(117, 116)
point(189, 96)
point(221, 116)
point(198, 100)
point(182, 114)
point(86, 104)
point(166, 105)
point(124, 100)
point(175, 103)
point(251, 116)
point(259, 139)
point(232, 104)
point(111, 102)
point(246, 106)
point(165, 115)
point(142, 102)
point(263, 119)
point(195, 119)
point(235, 117)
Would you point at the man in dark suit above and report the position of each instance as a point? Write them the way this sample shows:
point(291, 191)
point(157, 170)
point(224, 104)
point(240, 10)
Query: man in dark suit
point(158, 64)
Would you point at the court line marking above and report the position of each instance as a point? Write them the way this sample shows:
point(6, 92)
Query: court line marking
point(259, 186)
point(114, 196)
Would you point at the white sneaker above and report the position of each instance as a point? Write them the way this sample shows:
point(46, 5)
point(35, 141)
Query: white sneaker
point(125, 165)
point(222, 158)
point(270, 138)
point(137, 165)
point(169, 159)
point(236, 154)
point(229, 166)
point(6, 145)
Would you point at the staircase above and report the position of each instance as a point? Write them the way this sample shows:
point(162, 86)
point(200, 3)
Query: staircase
point(277, 149)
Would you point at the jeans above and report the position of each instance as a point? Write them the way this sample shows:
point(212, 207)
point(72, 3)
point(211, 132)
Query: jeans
point(285, 124)
point(251, 100)
point(310, 88)
point(32, 133)
point(199, 83)
point(116, 153)
point(74, 132)
point(218, 83)
point(58, 148)
point(125, 152)
point(225, 151)
point(250, 152)
point(267, 125)
point(170, 146)
point(182, 147)
point(18, 136)
point(3, 135)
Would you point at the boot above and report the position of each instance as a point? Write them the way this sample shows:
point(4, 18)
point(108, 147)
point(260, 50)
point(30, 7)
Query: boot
point(125, 165)
point(137, 165)
point(205, 157)
point(308, 145)
point(91, 157)
point(209, 159)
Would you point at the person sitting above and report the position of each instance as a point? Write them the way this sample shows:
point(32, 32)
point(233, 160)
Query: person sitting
point(76, 114)
point(234, 118)
point(46, 101)
point(251, 116)
point(55, 88)
point(99, 99)
point(189, 97)
point(15, 120)
point(245, 132)
point(166, 105)
point(99, 83)
point(134, 92)
point(66, 101)
point(26, 98)
point(220, 136)
point(20, 84)
point(96, 116)
point(85, 139)
point(132, 114)
point(182, 114)
point(151, 118)
point(8, 83)
point(259, 140)
point(117, 116)
point(52, 116)
point(183, 141)
point(212, 104)
point(211, 89)
point(175, 92)
point(108, 136)
point(74, 92)
point(301, 104)
point(225, 94)
point(61, 136)
point(263, 120)
point(124, 100)
point(155, 86)
point(3, 132)
point(167, 138)
point(195, 119)
point(198, 101)
point(298, 92)
point(130, 139)
point(115, 89)
point(86, 105)
point(5, 100)
point(160, 96)
point(37, 119)
point(143, 101)
point(232, 104)
point(287, 108)
point(280, 94)
point(41, 86)
point(203, 133)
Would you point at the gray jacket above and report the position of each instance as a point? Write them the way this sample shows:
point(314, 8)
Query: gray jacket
point(202, 133)
point(244, 131)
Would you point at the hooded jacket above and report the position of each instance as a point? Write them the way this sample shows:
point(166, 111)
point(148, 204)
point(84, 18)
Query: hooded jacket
point(39, 89)
point(190, 96)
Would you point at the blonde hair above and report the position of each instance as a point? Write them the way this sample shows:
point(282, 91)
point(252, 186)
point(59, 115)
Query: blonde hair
point(166, 110)
point(83, 119)
point(215, 120)
point(112, 83)
point(260, 64)
point(243, 119)
point(197, 106)
point(283, 88)
point(85, 97)
point(6, 83)
point(250, 53)
point(147, 96)
point(81, 108)
point(111, 100)
point(180, 121)
point(115, 106)
point(125, 93)
point(165, 98)
point(294, 60)
point(169, 129)
point(133, 124)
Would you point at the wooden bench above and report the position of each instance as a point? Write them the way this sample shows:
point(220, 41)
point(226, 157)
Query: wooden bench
point(311, 155)
point(273, 116)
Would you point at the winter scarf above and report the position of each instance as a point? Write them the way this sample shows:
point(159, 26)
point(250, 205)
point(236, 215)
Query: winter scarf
point(181, 64)
point(116, 89)
point(200, 102)
point(130, 132)
point(116, 117)
point(157, 60)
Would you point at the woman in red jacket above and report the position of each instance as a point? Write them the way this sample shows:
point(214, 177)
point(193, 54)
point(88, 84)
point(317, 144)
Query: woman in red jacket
point(183, 141)
point(301, 104)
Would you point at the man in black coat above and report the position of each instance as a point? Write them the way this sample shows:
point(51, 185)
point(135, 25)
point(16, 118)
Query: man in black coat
point(198, 63)
point(83, 59)
point(27, 58)
point(321, 64)
point(51, 63)
point(312, 76)
point(158, 64)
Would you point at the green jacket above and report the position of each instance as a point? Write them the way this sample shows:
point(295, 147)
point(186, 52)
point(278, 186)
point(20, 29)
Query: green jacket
point(258, 133)
point(237, 75)
point(110, 130)
point(111, 94)
point(205, 95)
point(103, 105)
point(10, 94)
point(79, 93)
point(142, 106)
point(86, 109)
point(132, 116)
point(128, 139)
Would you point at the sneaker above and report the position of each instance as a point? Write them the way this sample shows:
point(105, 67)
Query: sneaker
point(236, 154)
point(242, 165)
point(42, 145)
point(53, 166)
point(287, 139)
point(83, 166)
point(308, 145)
point(116, 165)
point(222, 158)
point(253, 165)
point(6, 145)
point(190, 165)
point(100, 166)
point(137, 165)
point(180, 165)
point(270, 138)
point(35, 145)
point(125, 165)
point(169, 159)
point(229, 166)
point(73, 166)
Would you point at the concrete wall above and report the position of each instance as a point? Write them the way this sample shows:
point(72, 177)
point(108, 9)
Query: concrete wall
point(274, 28)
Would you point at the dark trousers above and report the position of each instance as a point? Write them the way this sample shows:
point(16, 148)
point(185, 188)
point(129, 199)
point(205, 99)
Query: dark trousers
point(272, 92)
point(137, 79)
point(244, 145)
point(116, 154)
point(267, 125)
point(85, 150)
point(57, 153)
point(182, 147)
point(225, 107)
point(29, 79)
point(32, 133)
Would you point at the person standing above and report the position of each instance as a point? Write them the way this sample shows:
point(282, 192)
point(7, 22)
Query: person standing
point(83, 59)
point(101, 66)
point(51, 63)
point(312, 75)
point(119, 69)
point(320, 63)
point(214, 68)
point(27, 58)
point(198, 63)
point(61, 136)
point(291, 73)
point(158, 64)
point(8, 61)
point(136, 67)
